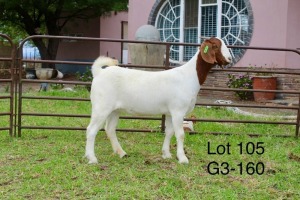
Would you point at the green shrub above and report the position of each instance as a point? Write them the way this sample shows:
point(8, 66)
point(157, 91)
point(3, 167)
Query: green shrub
point(241, 81)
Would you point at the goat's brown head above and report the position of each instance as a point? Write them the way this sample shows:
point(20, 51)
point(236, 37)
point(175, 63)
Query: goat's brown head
point(214, 51)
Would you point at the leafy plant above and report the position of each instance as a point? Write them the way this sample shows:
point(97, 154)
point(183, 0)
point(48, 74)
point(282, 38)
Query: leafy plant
point(241, 81)
point(87, 76)
point(57, 86)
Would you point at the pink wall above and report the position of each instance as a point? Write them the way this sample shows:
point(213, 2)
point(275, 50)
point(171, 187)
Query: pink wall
point(276, 24)
point(110, 27)
point(293, 33)
point(74, 50)
point(105, 27)
point(269, 31)
point(139, 11)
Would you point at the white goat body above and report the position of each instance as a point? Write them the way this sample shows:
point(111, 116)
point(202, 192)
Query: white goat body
point(172, 92)
point(143, 92)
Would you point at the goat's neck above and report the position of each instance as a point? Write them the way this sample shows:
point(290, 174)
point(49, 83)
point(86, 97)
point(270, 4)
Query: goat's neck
point(202, 68)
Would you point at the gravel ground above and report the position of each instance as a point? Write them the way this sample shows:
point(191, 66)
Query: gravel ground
point(292, 101)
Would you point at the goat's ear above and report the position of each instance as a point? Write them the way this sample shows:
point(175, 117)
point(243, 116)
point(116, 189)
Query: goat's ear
point(207, 52)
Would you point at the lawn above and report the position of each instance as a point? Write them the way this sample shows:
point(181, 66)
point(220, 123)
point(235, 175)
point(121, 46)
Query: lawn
point(49, 164)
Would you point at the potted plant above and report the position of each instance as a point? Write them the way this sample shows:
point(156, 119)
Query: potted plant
point(264, 82)
point(241, 81)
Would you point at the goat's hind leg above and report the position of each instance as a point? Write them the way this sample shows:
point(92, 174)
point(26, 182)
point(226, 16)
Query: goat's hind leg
point(110, 128)
point(97, 122)
point(169, 132)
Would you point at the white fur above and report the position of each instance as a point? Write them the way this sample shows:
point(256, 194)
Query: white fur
point(114, 89)
point(102, 61)
point(60, 75)
point(226, 53)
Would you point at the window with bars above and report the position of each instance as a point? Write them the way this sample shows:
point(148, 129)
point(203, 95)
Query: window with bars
point(192, 20)
point(168, 24)
point(190, 27)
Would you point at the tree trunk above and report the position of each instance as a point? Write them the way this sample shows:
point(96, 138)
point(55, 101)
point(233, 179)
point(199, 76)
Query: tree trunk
point(48, 47)
point(48, 50)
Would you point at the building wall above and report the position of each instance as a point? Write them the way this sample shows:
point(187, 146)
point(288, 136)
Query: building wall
point(78, 50)
point(139, 11)
point(111, 27)
point(276, 24)
point(293, 33)
point(269, 31)
point(104, 27)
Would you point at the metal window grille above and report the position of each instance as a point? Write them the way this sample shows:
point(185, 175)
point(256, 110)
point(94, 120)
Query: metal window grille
point(209, 21)
point(234, 28)
point(168, 24)
point(227, 19)
point(190, 28)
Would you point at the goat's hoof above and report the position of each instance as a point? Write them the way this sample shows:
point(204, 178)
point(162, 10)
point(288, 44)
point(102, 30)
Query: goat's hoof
point(183, 160)
point(166, 156)
point(91, 159)
point(123, 155)
point(120, 152)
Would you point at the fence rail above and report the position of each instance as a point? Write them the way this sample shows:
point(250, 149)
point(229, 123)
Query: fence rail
point(16, 113)
point(11, 82)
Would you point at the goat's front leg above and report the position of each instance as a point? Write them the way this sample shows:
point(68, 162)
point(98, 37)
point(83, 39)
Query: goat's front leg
point(169, 132)
point(177, 121)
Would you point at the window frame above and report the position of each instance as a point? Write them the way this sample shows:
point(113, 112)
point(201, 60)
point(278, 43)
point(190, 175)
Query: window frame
point(160, 4)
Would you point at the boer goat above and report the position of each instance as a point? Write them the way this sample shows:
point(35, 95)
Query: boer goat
point(171, 92)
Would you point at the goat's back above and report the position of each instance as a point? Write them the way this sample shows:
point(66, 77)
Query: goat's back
point(142, 92)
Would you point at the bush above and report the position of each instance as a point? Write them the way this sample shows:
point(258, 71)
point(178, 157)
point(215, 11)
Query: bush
point(241, 81)
point(87, 76)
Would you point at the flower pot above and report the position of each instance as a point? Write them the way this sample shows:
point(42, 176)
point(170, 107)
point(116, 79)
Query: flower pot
point(264, 83)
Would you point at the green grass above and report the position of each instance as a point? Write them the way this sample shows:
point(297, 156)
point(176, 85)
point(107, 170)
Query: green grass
point(48, 164)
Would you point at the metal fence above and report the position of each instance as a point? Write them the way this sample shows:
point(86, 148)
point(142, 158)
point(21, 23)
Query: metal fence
point(11, 70)
point(16, 109)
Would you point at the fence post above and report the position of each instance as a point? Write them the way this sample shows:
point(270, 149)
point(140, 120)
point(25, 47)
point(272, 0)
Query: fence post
point(8, 56)
point(167, 66)
point(19, 90)
point(13, 90)
point(298, 119)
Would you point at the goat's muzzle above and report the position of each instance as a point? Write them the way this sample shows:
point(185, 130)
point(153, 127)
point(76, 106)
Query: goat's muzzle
point(224, 62)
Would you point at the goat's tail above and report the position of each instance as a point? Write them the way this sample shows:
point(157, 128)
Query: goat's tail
point(101, 63)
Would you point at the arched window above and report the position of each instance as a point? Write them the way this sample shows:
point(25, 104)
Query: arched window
point(193, 20)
